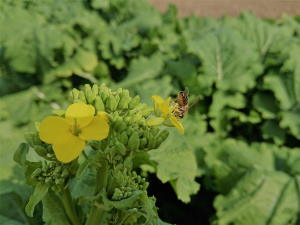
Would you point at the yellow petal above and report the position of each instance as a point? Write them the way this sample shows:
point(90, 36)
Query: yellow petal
point(54, 129)
point(157, 99)
point(80, 113)
point(69, 150)
point(161, 104)
point(98, 129)
point(164, 107)
point(177, 124)
point(103, 114)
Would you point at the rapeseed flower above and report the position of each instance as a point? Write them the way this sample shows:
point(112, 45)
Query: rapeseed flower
point(68, 135)
point(164, 110)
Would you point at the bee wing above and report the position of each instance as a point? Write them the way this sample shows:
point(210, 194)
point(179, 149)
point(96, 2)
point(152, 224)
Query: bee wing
point(186, 91)
point(194, 102)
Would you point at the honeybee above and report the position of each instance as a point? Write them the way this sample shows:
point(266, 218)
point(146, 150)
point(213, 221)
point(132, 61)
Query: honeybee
point(181, 104)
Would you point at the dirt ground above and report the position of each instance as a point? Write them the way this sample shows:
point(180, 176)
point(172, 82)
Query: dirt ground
point(218, 8)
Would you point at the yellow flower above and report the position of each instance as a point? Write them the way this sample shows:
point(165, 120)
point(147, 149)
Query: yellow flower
point(68, 135)
point(163, 107)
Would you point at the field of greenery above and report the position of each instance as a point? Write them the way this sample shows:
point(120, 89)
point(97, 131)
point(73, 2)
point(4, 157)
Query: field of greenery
point(238, 162)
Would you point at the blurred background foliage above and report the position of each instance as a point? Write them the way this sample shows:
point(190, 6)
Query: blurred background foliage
point(242, 132)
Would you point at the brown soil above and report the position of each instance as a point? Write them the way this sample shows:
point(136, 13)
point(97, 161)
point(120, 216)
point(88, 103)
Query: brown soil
point(218, 8)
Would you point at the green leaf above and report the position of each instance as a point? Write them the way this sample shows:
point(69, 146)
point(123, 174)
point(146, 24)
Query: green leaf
point(260, 197)
point(38, 194)
point(257, 182)
point(222, 62)
point(162, 87)
point(142, 69)
point(271, 129)
point(11, 209)
point(291, 120)
point(182, 177)
point(265, 37)
point(10, 138)
point(84, 184)
point(7, 221)
point(53, 211)
point(266, 104)
point(224, 108)
point(284, 89)
point(20, 154)
point(100, 4)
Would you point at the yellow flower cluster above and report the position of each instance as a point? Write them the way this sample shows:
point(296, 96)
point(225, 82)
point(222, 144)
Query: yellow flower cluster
point(68, 135)
point(163, 108)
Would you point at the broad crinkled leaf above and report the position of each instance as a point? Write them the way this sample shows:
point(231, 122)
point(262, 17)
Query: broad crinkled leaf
point(10, 137)
point(177, 163)
point(262, 35)
point(222, 110)
point(271, 129)
point(149, 88)
point(8, 221)
point(260, 197)
point(12, 209)
point(286, 88)
point(226, 59)
point(258, 183)
point(142, 69)
point(266, 104)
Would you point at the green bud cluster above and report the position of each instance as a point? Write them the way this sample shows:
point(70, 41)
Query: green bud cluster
point(141, 138)
point(54, 174)
point(126, 183)
point(104, 99)
point(42, 149)
point(129, 131)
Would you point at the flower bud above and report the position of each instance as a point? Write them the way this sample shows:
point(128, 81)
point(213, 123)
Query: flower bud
point(119, 91)
point(104, 92)
point(48, 180)
point(75, 94)
point(120, 148)
point(123, 138)
point(111, 103)
point(124, 100)
point(145, 110)
point(151, 141)
point(134, 102)
point(99, 105)
point(36, 173)
point(134, 141)
point(118, 194)
point(143, 143)
point(119, 125)
point(89, 94)
point(82, 97)
point(95, 89)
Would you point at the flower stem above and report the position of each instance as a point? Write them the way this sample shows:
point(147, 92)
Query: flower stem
point(97, 212)
point(69, 207)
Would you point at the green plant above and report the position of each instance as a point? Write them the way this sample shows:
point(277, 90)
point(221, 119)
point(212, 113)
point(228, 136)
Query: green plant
point(102, 186)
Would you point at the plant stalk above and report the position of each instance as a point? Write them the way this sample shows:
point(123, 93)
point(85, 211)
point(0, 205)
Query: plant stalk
point(69, 207)
point(97, 212)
